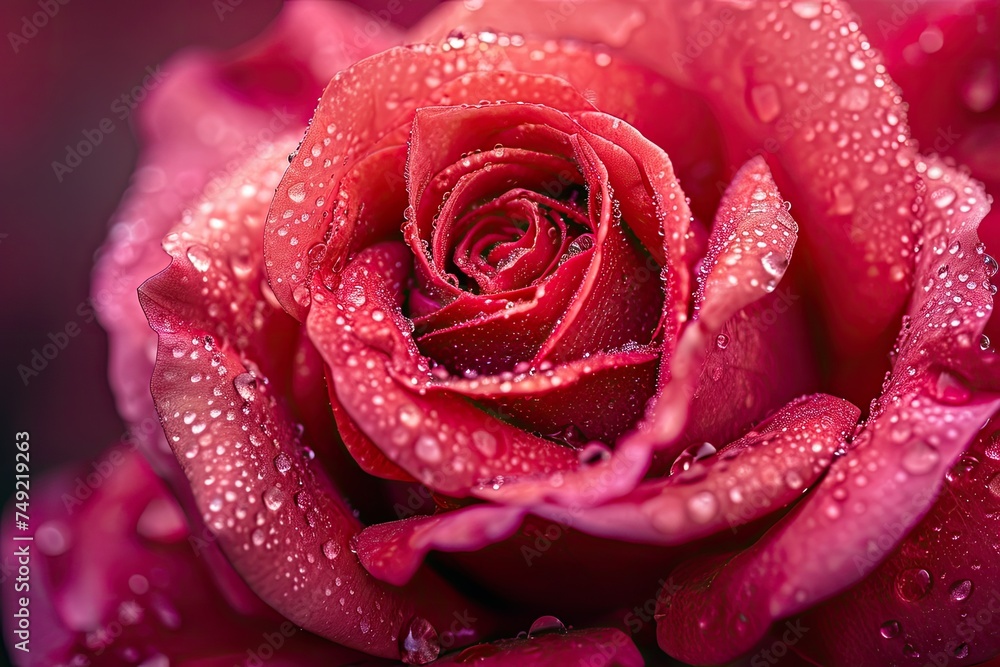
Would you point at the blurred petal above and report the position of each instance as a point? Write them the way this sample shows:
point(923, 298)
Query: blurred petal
point(115, 581)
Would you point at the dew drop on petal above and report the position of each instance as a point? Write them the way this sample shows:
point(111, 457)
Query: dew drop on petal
point(418, 642)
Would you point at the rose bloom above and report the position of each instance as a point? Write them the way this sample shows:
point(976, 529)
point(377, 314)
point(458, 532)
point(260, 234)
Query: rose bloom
point(568, 333)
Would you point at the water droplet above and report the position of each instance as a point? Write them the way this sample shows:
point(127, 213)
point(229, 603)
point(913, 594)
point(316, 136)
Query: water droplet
point(961, 651)
point(282, 463)
point(485, 442)
point(246, 386)
point(258, 537)
point(855, 98)
point(765, 102)
point(200, 257)
point(774, 263)
point(889, 629)
point(418, 642)
point(722, 341)
point(427, 449)
point(961, 590)
point(297, 192)
point(949, 390)
point(274, 498)
point(302, 295)
point(806, 9)
point(920, 458)
point(331, 549)
point(544, 624)
point(991, 266)
point(910, 652)
point(943, 197)
point(702, 506)
point(913, 584)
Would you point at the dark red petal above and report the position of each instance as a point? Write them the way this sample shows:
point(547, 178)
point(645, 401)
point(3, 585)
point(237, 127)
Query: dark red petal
point(749, 249)
point(563, 397)
point(115, 580)
point(605, 646)
point(447, 444)
point(762, 472)
point(506, 332)
point(945, 615)
point(393, 552)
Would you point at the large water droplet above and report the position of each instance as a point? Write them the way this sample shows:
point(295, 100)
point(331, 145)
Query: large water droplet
point(920, 458)
point(961, 590)
point(774, 263)
point(702, 506)
point(331, 549)
point(889, 629)
point(246, 386)
point(274, 498)
point(427, 449)
point(913, 585)
point(297, 192)
point(545, 624)
point(806, 9)
point(200, 257)
point(418, 642)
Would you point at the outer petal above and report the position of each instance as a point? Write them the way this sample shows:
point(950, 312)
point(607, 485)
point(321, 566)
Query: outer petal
point(222, 395)
point(115, 581)
point(209, 116)
point(918, 429)
point(937, 595)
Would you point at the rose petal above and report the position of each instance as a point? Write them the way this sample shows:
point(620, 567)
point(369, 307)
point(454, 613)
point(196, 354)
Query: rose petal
point(394, 551)
point(210, 112)
point(898, 611)
point(114, 578)
point(559, 400)
point(426, 76)
point(220, 387)
point(757, 475)
point(749, 249)
point(893, 470)
point(445, 443)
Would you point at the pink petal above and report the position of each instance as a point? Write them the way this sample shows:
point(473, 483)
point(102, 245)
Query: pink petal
point(221, 385)
point(393, 552)
point(749, 249)
point(937, 592)
point(893, 470)
point(115, 580)
point(766, 470)
point(209, 115)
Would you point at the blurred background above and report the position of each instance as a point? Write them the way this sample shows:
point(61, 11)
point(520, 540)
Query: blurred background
point(64, 63)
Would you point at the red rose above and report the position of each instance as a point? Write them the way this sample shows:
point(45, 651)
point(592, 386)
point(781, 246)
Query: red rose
point(523, 327)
